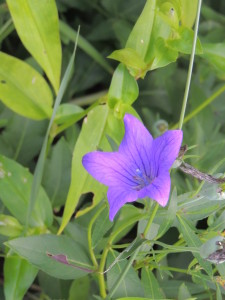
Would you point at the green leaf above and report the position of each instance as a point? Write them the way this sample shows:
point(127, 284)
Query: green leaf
point(183, 43)
point(184, 293)
point(151, 286)
point(35, 249)
point(140, 37)
point(163, 54)
point(85, 46)
point(101, 226)
point(99, 122)
point(215, 54)
point(80, 289)
point(38, 173)
point(56, 177)
point(202, 205)
point(37, 25)
point(130, 285)
point(23, 89)
point(68, 111)
point(166, 217)
point(9, 226)
point(123, 87)
point(192, 240)
point(15, 187)
point(188, 12)
point(53, 287)
point(132, 60)
point(22, 138)
point(18, 276)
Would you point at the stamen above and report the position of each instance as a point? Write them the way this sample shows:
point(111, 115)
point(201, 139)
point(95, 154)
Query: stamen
point(141, 179)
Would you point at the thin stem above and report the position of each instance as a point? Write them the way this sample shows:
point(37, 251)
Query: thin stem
point(123, 274)
point(201, 106)
point(151, 220)
point(105, 253)
point(89, 99)
point(21, 140)
point(92, 254)
point(187, 87)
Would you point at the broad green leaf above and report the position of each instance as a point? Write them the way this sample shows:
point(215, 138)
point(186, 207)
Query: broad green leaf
point(23, 89)
point(9, 226)
point(140, 37)
point(99, 122)
point(15, 187)
point(22, 138)
point(132, 60)
point(163, 54)
point(80, 289)
point(123, 87)
point(192, 240)
point(56, 177)
point(150, 284)
point(200, 206)
point(18, 276)
point(55, 288)
point(188, 12)
point(215, 54)
point(37, 25)
point(35, 249)
point(184, 293)
point(130, 285)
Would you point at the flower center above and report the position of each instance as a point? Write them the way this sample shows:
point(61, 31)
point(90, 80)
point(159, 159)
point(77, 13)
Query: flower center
point(141, 179)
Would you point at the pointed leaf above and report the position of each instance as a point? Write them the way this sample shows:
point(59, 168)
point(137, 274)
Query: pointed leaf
point(35, 249)
point(15, 186)
point(23, 89)
point(18, 276)
point(37, 25)
point(193, 241)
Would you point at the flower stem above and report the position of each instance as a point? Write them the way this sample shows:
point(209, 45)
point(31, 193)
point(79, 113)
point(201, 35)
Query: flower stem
point(101, 279)
point(188, 82)
point(123, 274)
point(92, 254)
point(150, 220)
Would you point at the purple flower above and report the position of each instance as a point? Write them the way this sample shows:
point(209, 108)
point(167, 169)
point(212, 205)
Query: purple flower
point(139, 169)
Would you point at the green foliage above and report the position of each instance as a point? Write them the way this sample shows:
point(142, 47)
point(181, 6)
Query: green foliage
point(44, 189)
point(18, 80)
point(38, 28)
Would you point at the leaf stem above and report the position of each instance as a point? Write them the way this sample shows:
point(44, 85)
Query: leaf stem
point(188, 82)
point(150, 220)
point(92, 254)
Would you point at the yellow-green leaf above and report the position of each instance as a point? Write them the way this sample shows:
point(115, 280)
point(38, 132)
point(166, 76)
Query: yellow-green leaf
point(188, 12)
point(23, 89)
point(37, 25)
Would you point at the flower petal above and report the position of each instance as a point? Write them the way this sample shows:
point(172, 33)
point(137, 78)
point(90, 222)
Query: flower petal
point(136, 144)
point(158, 190)
point(110, 168)
point(165, 150)
point(117, 197)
